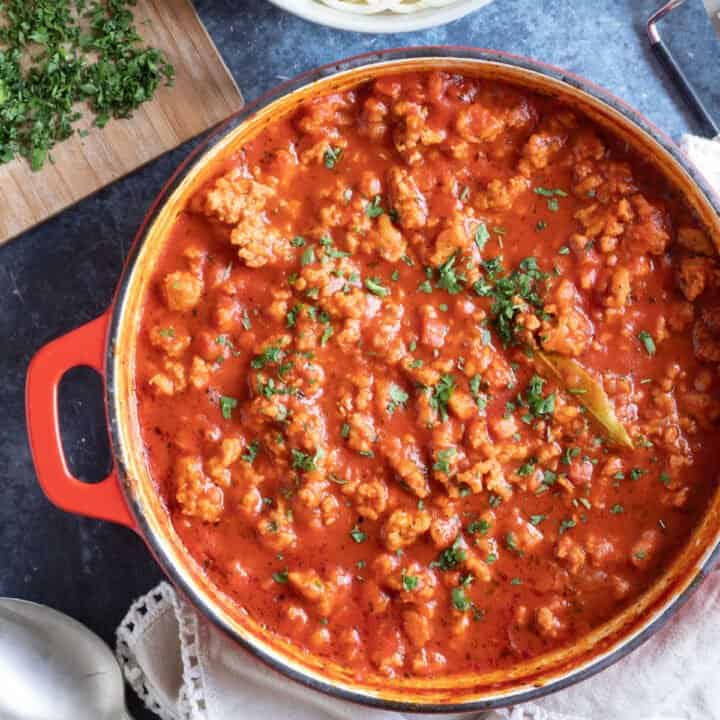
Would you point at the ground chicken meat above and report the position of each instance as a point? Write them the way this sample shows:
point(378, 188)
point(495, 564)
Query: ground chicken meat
point(183, 290)
point(196, 494)
point(407, 200)
point(403, 528)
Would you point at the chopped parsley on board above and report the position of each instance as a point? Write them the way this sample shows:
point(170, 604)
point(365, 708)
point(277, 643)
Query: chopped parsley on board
point(56, 55)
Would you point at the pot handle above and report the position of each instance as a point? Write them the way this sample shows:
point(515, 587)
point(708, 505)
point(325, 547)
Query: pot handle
point(84, 346)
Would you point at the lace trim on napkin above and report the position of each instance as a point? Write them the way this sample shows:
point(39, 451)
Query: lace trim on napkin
point(143, 613)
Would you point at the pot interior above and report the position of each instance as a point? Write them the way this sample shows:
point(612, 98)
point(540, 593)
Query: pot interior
point(468, 691)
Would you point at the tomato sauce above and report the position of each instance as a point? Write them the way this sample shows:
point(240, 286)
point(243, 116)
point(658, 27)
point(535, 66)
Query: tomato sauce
point(340, 388)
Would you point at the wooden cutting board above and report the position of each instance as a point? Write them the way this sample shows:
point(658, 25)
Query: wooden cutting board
point(204, 94)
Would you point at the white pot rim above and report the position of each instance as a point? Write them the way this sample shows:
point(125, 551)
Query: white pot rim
point(381, 22)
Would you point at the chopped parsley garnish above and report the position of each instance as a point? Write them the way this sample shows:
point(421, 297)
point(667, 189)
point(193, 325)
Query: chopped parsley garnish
point(640, 554)
point(333, 252)
point(358, 535)
point(527, 467)
point(493, 266)
point(280, 577)
point(308, 257)
point(481, 236)
point(442, 464)
point(637, 473)
point(268, 388)
point(398, 398)
point(332, 157)
point(271, 354)
point(480, 398)
point(373, 209)
point(425, 287)
point(549, 477)
point(540, 225)
point(647, 340)
point(459, 599)
point(226, 342)
point(537, 519)
point(302, 461)
point(375, 286)
point(537, 403)
point(516, 581)
point(552, 197)
point(564, 250)
point(566, 525)
point(227, 405)
point(617, 509)
point(345, 430)
point(298, 241)
point(251, 452)
point(448, 279)
point(451, 557)
point(569, 455)
point(478, 526)
point(327, 334)
point(291, 317)
point(521, 284)
point(490, 559)
point(246, 320)
point(494, 500)
point(168, 332)
point(409, 582)
point(441, 395)
point(284, 369)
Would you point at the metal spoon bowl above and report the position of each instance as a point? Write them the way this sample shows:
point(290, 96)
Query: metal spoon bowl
point(54, 668)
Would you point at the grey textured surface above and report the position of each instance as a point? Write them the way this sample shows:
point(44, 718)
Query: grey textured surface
point(62, 274)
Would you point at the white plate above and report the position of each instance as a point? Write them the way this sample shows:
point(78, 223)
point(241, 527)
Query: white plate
point(362, 19)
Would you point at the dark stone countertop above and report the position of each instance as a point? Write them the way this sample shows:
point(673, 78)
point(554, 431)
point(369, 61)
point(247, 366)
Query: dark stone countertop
point(62, 274)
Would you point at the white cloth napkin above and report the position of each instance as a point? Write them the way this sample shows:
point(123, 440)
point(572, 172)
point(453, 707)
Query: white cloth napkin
point(184, 669)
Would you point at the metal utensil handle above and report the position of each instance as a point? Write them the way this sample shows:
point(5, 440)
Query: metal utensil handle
point(666, 59)
point(708, 125)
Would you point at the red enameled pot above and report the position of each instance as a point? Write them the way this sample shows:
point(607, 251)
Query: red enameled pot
point(128, 496)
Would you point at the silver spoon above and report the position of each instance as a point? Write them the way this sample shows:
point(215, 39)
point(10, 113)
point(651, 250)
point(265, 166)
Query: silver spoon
point(54, 668)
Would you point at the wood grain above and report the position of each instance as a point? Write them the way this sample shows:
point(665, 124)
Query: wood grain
point(204, 94)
